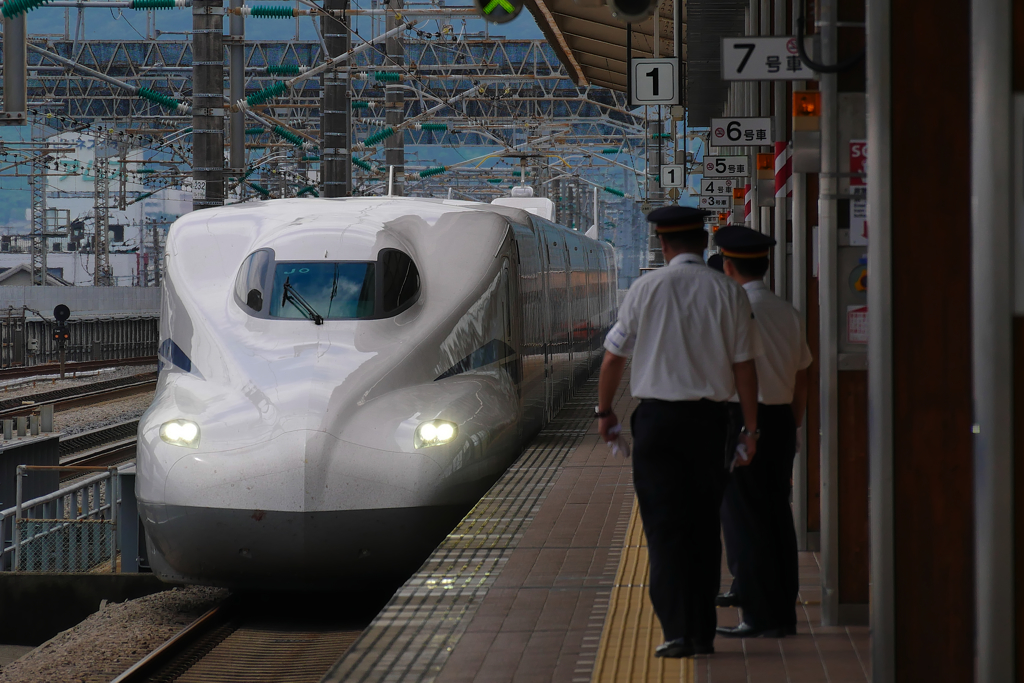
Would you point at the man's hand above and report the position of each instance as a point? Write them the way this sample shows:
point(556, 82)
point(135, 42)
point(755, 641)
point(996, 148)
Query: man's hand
point(606, 423)
point(750, 443)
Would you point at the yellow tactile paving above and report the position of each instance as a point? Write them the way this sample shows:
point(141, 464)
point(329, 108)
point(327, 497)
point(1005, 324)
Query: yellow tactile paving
point(631, 631)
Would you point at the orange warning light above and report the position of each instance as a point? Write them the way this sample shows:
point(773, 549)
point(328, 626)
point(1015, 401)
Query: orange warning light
point(724, 217)
point(806, 103)
point(766, 162)
point(739, 194)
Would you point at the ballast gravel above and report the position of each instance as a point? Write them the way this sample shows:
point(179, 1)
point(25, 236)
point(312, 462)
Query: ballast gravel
point(104, 645)
point(27, 386)
point(84, 418)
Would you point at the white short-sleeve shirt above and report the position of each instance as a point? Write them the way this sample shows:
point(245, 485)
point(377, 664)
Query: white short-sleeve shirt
point(785, 346)
point(685, 326)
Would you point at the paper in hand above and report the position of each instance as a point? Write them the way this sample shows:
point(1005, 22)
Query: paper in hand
point(741, 454)
point(619, 445)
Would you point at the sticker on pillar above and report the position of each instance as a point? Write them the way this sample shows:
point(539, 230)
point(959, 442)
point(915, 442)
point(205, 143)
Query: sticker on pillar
point(859, 277)
point(858, 217)
point(198, 189)
point(857, 324)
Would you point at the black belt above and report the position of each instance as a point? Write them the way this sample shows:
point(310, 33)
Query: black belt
point(682, 403)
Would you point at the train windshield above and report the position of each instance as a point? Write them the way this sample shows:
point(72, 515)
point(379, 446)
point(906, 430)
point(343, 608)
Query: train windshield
point(330, 290)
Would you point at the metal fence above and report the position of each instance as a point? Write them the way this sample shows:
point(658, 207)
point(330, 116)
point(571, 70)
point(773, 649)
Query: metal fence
point(71, 530)
point(27, 340)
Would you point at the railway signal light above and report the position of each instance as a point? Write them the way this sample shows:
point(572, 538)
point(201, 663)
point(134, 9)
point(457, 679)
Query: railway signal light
point(632, 11)
point(499, 11)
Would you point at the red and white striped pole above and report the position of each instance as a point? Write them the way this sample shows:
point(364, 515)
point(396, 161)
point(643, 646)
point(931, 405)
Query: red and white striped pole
point(748, 201)
point(783, 170)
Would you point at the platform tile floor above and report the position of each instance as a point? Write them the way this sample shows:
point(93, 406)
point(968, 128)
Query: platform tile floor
point(543, 582)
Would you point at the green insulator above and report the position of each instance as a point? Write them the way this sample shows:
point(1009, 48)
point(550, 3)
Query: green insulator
point(662, 136)
point(519, 174)
point(434, 126)
point(437, 170)
point(153, 4)
point(360, 104)
point(610, 150)
point(311, 157)
point(387, 76)
point(379, 136)
point(362, 164)
point(612, 190)
point(308, 189)
point(289, 136)
point(284, 70)
point(270, 12)
point(259, 188)
point(159, 98)
point(259, 130)
point(146, 170)
point(494, 181)
point(14, 8)
point(266, 94)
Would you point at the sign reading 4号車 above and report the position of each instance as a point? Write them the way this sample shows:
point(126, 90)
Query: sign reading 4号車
point(741, 132)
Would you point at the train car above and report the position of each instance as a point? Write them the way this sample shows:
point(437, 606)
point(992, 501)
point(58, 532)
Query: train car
point(342, 379)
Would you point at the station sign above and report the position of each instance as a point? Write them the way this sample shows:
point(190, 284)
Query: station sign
point(654, 81)
point(726, 167)
point(741, 131)
point(716, 202)
point(671, 175)
point(769, 58)
point(717, 187)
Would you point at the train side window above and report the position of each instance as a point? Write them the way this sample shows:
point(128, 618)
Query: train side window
point(253, 280)
point(400, 285)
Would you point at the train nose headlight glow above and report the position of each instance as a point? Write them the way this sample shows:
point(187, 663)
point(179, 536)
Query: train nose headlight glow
point(435, 433)
point(180, 433)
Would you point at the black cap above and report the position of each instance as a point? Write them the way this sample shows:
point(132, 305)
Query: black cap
point(716, 262)
point(677, 218)
point(737, 241)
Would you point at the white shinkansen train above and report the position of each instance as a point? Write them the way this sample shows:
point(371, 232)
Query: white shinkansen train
point(342, 379)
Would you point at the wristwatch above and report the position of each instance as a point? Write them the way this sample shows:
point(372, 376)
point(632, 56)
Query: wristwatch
point(755, 436)
point(602, 413)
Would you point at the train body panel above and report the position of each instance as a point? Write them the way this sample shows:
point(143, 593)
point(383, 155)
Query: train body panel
point(300, 423)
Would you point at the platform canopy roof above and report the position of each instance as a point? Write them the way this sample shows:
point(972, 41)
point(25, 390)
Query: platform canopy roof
point(592, 45)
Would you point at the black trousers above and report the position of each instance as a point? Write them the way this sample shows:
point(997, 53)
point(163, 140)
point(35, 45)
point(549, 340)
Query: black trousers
point(757, 521)
point(679, 479)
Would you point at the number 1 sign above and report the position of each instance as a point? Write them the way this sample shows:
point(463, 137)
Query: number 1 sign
point(654, 81)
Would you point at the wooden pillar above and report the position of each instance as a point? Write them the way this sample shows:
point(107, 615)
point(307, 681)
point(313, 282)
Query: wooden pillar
point(920, 380)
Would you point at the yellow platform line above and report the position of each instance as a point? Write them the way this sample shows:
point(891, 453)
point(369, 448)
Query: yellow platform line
point(631, 630)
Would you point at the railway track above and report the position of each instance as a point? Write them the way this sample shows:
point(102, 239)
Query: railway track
point(71, 368)
point(71, 397)
point(101, 447)
point(281, 638)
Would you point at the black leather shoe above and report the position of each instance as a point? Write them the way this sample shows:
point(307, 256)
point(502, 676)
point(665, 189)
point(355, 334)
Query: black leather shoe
point(674, 649)
point(745, 630)
point(727, 599)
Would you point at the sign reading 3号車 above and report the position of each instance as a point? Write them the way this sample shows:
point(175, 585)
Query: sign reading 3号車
point(716, 202)
point(741, 132)
point(771, 58)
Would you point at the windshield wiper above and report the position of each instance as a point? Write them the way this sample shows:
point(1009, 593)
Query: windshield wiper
point(292, 295)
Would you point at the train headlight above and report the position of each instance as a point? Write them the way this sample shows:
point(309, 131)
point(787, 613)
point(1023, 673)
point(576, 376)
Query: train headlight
point(180, 433)
point(435, 433)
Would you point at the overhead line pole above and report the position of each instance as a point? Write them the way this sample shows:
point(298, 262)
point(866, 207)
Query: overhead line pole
point(207, 103)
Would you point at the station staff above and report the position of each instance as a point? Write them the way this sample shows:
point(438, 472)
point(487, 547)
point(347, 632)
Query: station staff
point(693, 341)
point(756, 515)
